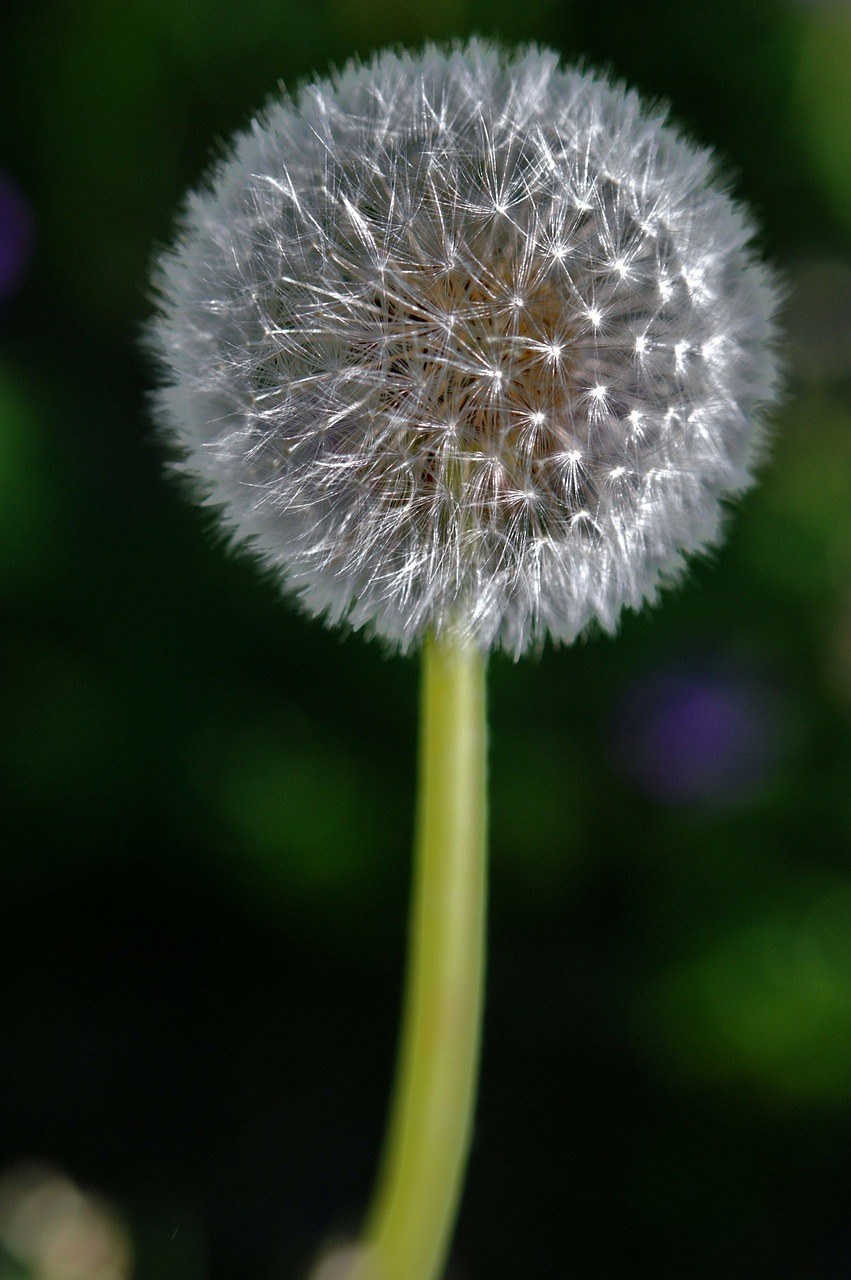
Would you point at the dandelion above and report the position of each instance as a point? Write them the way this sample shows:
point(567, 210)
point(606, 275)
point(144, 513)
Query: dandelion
point(466, 344)
point(469, 350)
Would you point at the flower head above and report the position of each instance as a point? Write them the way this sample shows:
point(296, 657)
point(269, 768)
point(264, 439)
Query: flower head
point(16, 235)
point(461, 341)
point(694, 733)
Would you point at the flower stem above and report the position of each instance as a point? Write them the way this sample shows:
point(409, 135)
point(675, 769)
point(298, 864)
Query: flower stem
point(410, 1225)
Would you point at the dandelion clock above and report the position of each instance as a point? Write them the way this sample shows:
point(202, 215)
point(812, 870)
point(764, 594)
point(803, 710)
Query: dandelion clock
point(470, 350)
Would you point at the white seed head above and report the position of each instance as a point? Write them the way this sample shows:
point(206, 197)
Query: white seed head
point(463, 342)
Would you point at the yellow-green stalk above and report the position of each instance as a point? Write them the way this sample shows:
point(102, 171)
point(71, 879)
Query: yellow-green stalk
point(409, 1228)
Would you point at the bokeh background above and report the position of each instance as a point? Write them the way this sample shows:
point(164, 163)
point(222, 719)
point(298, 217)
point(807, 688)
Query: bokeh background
point(207, 799)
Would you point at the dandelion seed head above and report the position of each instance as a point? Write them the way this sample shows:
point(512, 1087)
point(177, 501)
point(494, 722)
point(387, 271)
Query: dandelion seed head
point(464, 342)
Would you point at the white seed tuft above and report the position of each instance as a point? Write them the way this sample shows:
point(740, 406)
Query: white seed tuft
point(464, 342)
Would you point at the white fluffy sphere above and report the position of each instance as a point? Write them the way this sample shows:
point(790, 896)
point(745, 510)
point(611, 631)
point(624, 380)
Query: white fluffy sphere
point(464, 342)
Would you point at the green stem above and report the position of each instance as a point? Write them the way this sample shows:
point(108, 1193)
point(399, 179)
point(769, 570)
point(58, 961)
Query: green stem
point(409, 1228)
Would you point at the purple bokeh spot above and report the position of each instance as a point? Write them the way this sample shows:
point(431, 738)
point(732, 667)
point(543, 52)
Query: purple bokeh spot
point(17, 228)
point(685, 736)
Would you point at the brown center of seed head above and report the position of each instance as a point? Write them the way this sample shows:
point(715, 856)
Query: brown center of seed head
point(479, 375)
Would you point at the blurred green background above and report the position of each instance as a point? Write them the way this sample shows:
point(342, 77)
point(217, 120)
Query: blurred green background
point(207, 799)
